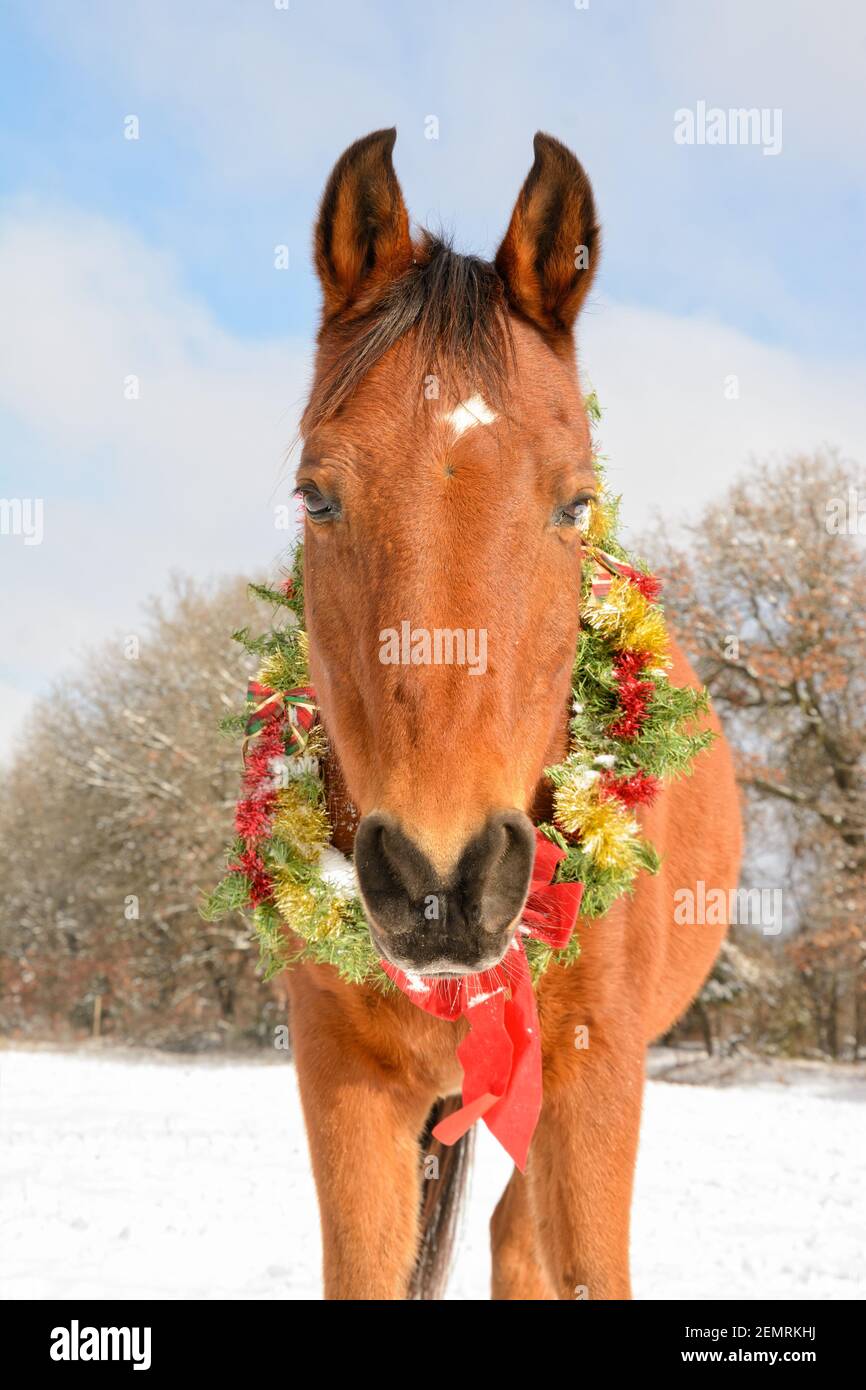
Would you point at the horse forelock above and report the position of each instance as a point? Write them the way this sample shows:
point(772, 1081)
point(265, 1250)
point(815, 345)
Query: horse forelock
point(450, 307)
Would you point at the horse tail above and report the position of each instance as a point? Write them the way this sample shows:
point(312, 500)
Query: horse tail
point(441, 1200)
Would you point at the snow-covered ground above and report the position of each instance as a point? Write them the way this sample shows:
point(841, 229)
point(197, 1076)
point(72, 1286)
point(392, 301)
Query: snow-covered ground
point(148, 1178)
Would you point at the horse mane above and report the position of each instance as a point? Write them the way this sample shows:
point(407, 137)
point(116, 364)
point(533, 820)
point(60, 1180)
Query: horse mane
point(454, 306)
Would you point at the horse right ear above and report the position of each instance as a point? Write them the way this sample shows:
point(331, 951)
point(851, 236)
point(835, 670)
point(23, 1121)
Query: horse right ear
point(362, 236)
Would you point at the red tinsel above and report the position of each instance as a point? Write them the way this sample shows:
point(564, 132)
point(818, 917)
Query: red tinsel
point(634, 694)
point(253, 812)
point(269, 744)
point(251, 864)
point(253, 816)
point(637, 790)
point(648, 585)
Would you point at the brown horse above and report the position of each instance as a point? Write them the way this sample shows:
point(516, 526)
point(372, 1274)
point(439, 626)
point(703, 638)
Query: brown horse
point(446, 462)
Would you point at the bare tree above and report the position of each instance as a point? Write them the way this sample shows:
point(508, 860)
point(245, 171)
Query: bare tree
point(769, 595)
point(113, 819)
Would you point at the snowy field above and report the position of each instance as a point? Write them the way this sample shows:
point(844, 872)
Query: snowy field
point(131, 1177)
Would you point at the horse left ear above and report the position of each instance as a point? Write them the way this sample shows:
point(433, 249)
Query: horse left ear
point(549, 254)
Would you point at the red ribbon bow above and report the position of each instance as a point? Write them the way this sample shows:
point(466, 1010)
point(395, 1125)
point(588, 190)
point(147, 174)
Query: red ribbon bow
point(501, 1054)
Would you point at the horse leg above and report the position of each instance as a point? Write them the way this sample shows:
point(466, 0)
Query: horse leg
point(363, 1129)
point(517, 1271)
point(581, 1173)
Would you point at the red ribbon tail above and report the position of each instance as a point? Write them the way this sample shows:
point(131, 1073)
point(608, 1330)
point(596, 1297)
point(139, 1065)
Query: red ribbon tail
point(455, 1125)
point(501, 1059)
point(501, 1054)
point(512, 1121)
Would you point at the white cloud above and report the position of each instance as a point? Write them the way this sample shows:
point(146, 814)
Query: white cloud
point(185, 477)
point(673, 437)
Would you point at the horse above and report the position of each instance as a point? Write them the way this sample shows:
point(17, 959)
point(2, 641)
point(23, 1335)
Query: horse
point(446, 456)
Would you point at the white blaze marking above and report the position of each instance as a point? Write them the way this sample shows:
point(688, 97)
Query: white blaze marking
point(470, 413)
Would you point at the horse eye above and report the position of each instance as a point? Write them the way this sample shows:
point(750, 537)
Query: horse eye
point(316, 506)
point(576, 514)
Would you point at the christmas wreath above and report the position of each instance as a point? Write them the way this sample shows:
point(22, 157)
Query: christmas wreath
point(631, 728)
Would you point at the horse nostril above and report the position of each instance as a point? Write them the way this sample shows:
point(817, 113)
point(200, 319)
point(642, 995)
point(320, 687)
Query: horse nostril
point(396, 879)
point(495, 868)
point(418, 919)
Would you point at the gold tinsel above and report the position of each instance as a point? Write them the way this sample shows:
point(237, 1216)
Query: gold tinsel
point(602, 520)
point(316, 745)
point(300, 823)
point(280, 672)
point(311, 914)
point(629, 620)
point(607, 830)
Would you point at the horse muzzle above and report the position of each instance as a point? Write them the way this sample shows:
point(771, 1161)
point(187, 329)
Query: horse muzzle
point(451, 925)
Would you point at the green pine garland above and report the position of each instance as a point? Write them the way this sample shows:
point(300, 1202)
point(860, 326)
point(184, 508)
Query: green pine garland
point(276, 870)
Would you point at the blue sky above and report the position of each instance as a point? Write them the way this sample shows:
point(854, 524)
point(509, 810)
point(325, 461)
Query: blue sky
point(155, 256)
point(771, 245)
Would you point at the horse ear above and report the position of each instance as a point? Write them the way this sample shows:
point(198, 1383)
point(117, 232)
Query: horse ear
point(548, 256)
point(362, 236)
